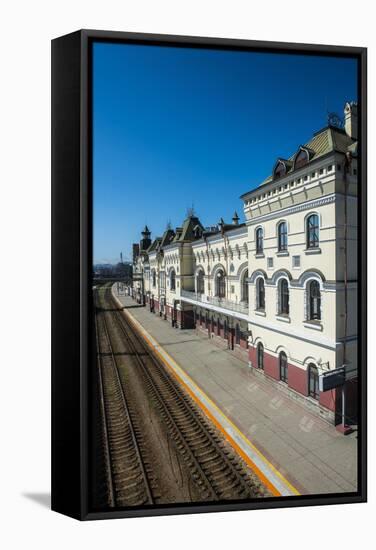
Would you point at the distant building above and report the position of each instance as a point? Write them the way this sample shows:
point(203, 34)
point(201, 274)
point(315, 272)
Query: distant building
point(122, 270)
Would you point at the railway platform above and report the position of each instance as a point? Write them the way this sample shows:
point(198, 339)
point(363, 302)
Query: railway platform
point(292, 450)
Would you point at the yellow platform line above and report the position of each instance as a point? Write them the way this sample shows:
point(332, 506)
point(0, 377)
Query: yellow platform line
point(154, 345)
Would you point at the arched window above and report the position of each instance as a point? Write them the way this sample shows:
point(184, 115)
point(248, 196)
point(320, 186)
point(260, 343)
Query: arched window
point(220, 284)
point(197, 231)
point(200, 283)
point(314, 301)
point(282, 236)
point(283, 368)
point(154, 277)
point(162, 280)
point(312, 231)
point(260, 293)
point(301, 159)
point(280, 170)
point(259, 241)
point(313, 381)
point(260, 356)
point(283, 297)
point(172, 280)
point(245, 287)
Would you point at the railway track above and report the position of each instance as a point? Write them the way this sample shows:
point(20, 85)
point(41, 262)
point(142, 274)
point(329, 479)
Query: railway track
point(129, 480)
point(213, 467)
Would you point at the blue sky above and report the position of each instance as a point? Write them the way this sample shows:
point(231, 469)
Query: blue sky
point(174, 127)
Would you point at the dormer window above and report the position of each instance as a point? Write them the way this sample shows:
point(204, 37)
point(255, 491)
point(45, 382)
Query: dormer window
point(280, 170)
point(197, 232)
point(302, 157)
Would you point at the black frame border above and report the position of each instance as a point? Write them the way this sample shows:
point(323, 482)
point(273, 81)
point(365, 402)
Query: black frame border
point(71, 334)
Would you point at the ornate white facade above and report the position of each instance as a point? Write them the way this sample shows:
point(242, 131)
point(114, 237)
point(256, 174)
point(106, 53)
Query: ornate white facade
point(280, 289)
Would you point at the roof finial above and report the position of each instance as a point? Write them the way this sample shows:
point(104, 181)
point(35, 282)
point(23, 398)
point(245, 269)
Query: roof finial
point(191, 211)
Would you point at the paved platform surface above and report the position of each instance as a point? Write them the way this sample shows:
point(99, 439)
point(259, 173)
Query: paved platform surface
point(299, 452)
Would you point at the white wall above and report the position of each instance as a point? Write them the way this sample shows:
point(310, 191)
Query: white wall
point(229, 253)
point(27, 28)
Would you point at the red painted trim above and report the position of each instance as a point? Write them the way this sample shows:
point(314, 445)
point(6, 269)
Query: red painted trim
point(271, 366)
point(252, 355)
point(243, 343)
point(297, 379)
point(327, 399)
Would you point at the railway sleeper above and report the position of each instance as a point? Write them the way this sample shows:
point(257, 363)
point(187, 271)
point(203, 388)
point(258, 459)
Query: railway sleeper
point(222, 467)
point(208, 456)
point(224, 486)
point(224, 476)
point(200, 440)
point(125, 485)
point(216, 462)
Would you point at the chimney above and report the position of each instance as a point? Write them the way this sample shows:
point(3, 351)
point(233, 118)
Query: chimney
point(351, 119)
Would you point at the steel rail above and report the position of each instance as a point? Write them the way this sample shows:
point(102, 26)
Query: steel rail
point(109, 472)
point(191, 416)
point(126, 410)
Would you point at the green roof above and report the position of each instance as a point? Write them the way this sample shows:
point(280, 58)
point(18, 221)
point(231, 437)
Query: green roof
point(189, 224)
point(167, 237)
point(154, 245)
point(327, 140)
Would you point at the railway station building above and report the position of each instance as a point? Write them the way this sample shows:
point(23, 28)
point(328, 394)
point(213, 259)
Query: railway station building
point(280, 289)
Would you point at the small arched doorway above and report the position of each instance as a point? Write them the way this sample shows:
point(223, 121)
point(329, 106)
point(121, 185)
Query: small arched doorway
point(283, 367)
point(260, 356)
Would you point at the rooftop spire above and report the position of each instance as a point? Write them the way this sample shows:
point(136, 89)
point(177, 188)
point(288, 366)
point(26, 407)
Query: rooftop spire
point(145, 232)
point(191, 212)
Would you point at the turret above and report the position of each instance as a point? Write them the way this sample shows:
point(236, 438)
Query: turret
point(146, 240)
point(146, 232)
